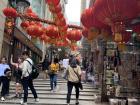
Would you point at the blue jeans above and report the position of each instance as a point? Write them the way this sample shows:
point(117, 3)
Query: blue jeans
point(27, 82)
point(53, 81)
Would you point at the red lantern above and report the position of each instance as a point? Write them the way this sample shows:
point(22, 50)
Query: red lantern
point(63, 29)
point(74, 35)
point(32, 23)
point(53, 2)
point(39, 24)
point(115, 13)
point(85, 32)
point(59, 15)
point(89, 20)
point(78, 35)
point(52, 32)
point(56, 9)
point(69, 35)
point(40, 31)
point(33, 15)
point(61, 22)
point(10, 12)
point(29, 10)
point(24, 24)
point(35, 31)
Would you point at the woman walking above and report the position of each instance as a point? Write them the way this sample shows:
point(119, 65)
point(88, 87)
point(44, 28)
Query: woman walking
point(4, 77)
point(17, 75)
point(53, 70)
point(73, 74)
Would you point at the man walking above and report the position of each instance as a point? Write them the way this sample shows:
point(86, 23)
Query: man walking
point(26, 79)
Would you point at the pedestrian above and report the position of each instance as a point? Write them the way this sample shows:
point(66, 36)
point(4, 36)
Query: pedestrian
point(27, 81)
point(4, 78)
point(45, 66)
point(53, 71)
point(17, 74)
point(73, 76)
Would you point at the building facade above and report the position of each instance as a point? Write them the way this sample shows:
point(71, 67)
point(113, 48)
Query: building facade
point(3, 4)
point(16, 41)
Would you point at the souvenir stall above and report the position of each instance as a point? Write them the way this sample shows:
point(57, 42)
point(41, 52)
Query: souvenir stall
point(115, 22)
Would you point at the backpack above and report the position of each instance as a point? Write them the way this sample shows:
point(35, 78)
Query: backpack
point(54, 68)
point(35, 72)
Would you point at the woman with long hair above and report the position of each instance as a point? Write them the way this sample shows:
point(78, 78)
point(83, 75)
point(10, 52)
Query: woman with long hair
point(73, 75)
point(17, 74)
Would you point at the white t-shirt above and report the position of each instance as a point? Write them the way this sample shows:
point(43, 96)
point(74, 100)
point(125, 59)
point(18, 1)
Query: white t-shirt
point(65, 63)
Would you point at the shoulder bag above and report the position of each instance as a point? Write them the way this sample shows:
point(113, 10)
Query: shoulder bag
point(79, 83)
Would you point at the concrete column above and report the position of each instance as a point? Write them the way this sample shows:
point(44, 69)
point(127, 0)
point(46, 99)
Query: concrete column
point(3, 4)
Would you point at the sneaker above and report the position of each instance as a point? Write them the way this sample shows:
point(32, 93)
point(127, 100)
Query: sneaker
point(37, 100)
point(23, 103)
point(52, 91)
point(77, 102)
point(2, 99)
point(68, 103)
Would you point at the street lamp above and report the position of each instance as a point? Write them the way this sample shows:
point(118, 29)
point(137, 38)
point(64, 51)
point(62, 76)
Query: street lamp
point(19, 5)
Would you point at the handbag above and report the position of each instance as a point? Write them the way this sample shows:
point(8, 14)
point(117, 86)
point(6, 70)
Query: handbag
point(79, 83)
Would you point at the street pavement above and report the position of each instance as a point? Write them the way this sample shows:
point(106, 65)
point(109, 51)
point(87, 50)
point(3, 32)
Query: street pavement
point(54, 98)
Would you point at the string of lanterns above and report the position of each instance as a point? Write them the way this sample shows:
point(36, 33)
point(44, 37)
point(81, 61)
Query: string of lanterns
point(56, 33)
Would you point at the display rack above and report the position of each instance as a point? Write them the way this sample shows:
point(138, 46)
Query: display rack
point(111, 75)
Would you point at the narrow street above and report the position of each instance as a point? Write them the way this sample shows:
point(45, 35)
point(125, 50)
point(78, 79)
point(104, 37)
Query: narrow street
point(54, 98)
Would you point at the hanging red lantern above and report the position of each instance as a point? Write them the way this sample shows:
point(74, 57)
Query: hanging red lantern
point(42, 37)
point(61, 22)
point(63, 29)
point(39, 24)
point(74, 35)
point(28, 10)
point(52, 32)
point(85, 32)
point(53, 2)
point(56, 9)
point(69, 35)
point(30, 30)
point(10, 12)
point(59, 15)
point(86, 18)
point(40, 31)
point(89, 20)
point(33, 15)
point(35, 31)
point(78, 35)
point(115, 13)
point(24, 24)
point(32, 23)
